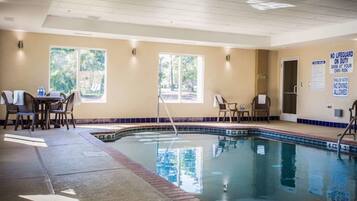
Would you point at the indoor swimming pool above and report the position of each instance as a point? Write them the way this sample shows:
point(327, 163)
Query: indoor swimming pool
point(215, 167)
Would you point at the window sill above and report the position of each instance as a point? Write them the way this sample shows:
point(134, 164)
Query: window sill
point(176, 102)
point(94, 101)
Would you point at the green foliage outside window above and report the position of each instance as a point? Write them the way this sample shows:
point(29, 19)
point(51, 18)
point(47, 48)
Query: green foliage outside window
point(82, 69)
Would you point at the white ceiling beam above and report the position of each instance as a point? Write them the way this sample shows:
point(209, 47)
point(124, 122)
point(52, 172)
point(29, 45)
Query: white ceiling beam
point(156, 32)
point(318, 33)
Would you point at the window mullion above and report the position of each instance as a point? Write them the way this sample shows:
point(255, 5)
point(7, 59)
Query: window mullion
point(179, 79)
point(77, 78)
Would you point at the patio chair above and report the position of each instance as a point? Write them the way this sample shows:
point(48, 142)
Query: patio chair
point(58, 105)
point(10, 108)
point(353, 114)
point(29, 109)
point(67, 109)
point(261, 104)
point(225, 107)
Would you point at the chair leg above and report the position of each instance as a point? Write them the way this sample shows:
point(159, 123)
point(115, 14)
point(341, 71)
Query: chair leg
point(17, 122)
point(219, 112)
point(22, 122)
point(230, 116)
point(65, 117)
point(56, 119)
point(73, 121)
point(33, 122)
point(6, 119)
point(28, 121)
point(62, 119)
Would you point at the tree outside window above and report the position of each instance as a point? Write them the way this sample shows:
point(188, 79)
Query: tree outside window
point(181, 78)
point(81, 69)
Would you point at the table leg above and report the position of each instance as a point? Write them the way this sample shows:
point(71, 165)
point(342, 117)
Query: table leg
point(42, 109)
point(47, 116)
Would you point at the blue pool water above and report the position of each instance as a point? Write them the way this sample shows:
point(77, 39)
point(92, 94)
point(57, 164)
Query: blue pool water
point(227, 168)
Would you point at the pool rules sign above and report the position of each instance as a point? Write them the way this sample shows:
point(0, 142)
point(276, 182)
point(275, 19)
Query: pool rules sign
point(340, 86)
point(341, 62)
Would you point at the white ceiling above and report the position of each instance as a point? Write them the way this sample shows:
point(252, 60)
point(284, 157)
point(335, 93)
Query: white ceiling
point(216, 22)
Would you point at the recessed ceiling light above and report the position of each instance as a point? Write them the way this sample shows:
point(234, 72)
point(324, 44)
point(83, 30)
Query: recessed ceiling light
point(9, 19)
point(93, 17)
point(268, 5)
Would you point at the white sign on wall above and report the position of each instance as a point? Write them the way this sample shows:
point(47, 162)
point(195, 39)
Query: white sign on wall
point(318, 74)
point(340, 86)
point(341, 62)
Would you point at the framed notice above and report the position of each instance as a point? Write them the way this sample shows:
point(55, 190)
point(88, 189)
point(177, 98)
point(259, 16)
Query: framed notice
point(341, 62)
point(340, 86)
point(318, 74)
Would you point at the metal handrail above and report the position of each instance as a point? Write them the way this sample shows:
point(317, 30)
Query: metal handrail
point(346, 132)
point(167, 112)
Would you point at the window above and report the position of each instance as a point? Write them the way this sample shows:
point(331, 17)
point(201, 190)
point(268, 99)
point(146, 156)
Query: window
point(181, 78)
point(79, 69)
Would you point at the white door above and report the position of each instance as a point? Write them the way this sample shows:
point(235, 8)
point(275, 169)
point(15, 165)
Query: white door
point(289, 90)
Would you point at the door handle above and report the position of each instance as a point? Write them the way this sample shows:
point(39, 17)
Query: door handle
point(295, 89)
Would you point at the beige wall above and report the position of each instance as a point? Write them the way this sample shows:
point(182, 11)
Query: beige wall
point(313, 104)
point(131, 81)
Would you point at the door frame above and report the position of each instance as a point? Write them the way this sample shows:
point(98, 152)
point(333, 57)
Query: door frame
point(287, 116)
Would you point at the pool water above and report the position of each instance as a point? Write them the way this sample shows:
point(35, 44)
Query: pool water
point(215, 167)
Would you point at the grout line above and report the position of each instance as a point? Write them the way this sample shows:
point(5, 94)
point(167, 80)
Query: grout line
point(90, 171)
point(47, 176)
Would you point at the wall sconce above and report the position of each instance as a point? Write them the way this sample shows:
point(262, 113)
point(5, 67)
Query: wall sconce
point(20, 44)
point(228, 57)
point(133, 51)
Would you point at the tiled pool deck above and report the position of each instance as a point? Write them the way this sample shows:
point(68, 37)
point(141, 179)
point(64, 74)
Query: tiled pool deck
point(73, 165)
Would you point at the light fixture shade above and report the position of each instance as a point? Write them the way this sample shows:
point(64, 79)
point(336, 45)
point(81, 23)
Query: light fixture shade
point(20, 44)
point(228, 57)
point(133, 51)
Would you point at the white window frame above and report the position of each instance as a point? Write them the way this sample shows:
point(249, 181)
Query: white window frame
point(104, 98)
point(200, 79)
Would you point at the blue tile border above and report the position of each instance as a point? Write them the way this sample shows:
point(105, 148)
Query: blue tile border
point(322, 123)
point(164, 119)
point(154, 120)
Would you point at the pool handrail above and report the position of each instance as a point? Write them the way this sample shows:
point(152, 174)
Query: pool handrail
point(167, 112)
point(346, 132)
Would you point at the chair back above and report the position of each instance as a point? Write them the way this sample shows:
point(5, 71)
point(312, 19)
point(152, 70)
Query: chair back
point(29, 105)
point(69, 103)
point(221, 102)
point(3, 95)
point(256, 105)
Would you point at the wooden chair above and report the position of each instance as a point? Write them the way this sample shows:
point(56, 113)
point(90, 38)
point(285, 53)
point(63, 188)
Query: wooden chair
point(10, 108)
point(67, 109)
point(353, 113)
point(261, 108)
point(226, 107)
point(29, 109)
point(58, 106)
